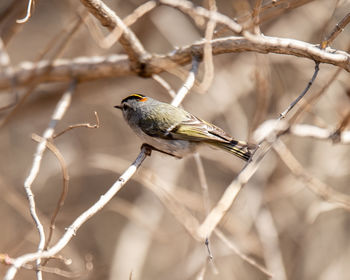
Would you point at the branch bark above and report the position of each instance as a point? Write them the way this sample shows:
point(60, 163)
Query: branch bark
point(90, 68)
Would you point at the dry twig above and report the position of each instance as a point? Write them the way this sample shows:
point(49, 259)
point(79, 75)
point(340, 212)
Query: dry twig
point(128, 39)
point(65, 176)
point(29, 12)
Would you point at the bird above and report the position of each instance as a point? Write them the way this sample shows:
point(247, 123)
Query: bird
point(174, 131)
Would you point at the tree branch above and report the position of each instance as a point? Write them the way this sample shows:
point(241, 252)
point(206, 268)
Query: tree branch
point(90, 68)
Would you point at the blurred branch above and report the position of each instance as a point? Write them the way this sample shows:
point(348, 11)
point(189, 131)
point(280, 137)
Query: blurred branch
point(4, 57)
point(28, 14)
point(339, 27)
point(72, 229)
point(164, 84)
point(128, 39)
point(316, 186)
point(305, 130)
point(208, 51)
point(243, 256)
point(90, 68)
point(189, 8)
point(71, 30)
point(114, 35)
point(268, 234)
point(231, 193)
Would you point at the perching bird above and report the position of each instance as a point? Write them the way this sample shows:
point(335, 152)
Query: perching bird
point(174, 131)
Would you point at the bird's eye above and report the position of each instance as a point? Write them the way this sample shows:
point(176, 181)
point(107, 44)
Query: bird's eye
point(125, 106)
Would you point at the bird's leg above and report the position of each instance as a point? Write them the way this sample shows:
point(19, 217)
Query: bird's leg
point(149, 149)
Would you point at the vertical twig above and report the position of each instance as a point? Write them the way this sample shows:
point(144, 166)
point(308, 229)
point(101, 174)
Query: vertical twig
point(207, 51)
point(269, 239)
point(48, 133)
point(28, 14)
point(188, 83)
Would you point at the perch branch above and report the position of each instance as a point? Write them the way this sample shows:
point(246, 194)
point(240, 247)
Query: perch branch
point(72, 229)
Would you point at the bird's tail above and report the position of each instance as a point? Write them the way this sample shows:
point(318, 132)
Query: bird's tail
point(240, 149)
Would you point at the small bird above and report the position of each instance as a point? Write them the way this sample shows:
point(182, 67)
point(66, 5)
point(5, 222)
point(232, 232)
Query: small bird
point(174, 131)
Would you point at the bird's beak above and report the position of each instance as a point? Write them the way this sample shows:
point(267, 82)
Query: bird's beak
point(118, 107)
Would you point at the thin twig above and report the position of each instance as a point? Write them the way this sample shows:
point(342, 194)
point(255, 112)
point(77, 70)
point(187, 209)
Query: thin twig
point(46, 69)
point(271, 246)
point(290, 107)
point(344, 123)
point(28, 14)
point(128, 39)
point(205, 193)
point(306, 106)
point(188, 83)
point(65, 176)
point(73, 228)
point(339, 27)
point(316, 186)
point(5, 259)
point(240, 254)
point(208, 51)
point(164, 84)
point(108, 41)
point(57, 115)
point(87, 125)
point(188, 7)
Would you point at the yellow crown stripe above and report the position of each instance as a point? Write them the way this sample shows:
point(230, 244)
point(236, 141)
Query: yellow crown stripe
point(142, 98)
point(137, 95)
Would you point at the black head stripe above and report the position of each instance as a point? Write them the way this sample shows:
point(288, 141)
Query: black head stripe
point(135, 96)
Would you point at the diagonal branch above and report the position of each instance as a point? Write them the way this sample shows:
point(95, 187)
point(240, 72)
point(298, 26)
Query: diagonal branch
point(128, 39)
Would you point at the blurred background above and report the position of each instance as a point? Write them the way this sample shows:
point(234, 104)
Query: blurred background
point(276, 220)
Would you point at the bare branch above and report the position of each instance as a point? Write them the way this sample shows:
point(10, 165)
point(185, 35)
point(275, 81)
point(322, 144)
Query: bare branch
point(188, 7)
point(188, 83)
point(208, 51)
point(108, 41)
point(339, 27)
point(295, 102)
point(316, 186)
point(164, 84)
point(72, 229)
point(305, 130)
point(57, 115)
point(87, 125)
point(128, 39)
point(65, 176)
point(90, 68)
point(243, 256)
point(29, 12)
point(269, 238)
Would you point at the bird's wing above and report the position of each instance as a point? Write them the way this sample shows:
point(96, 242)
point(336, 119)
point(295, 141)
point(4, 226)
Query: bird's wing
point(194, 129)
